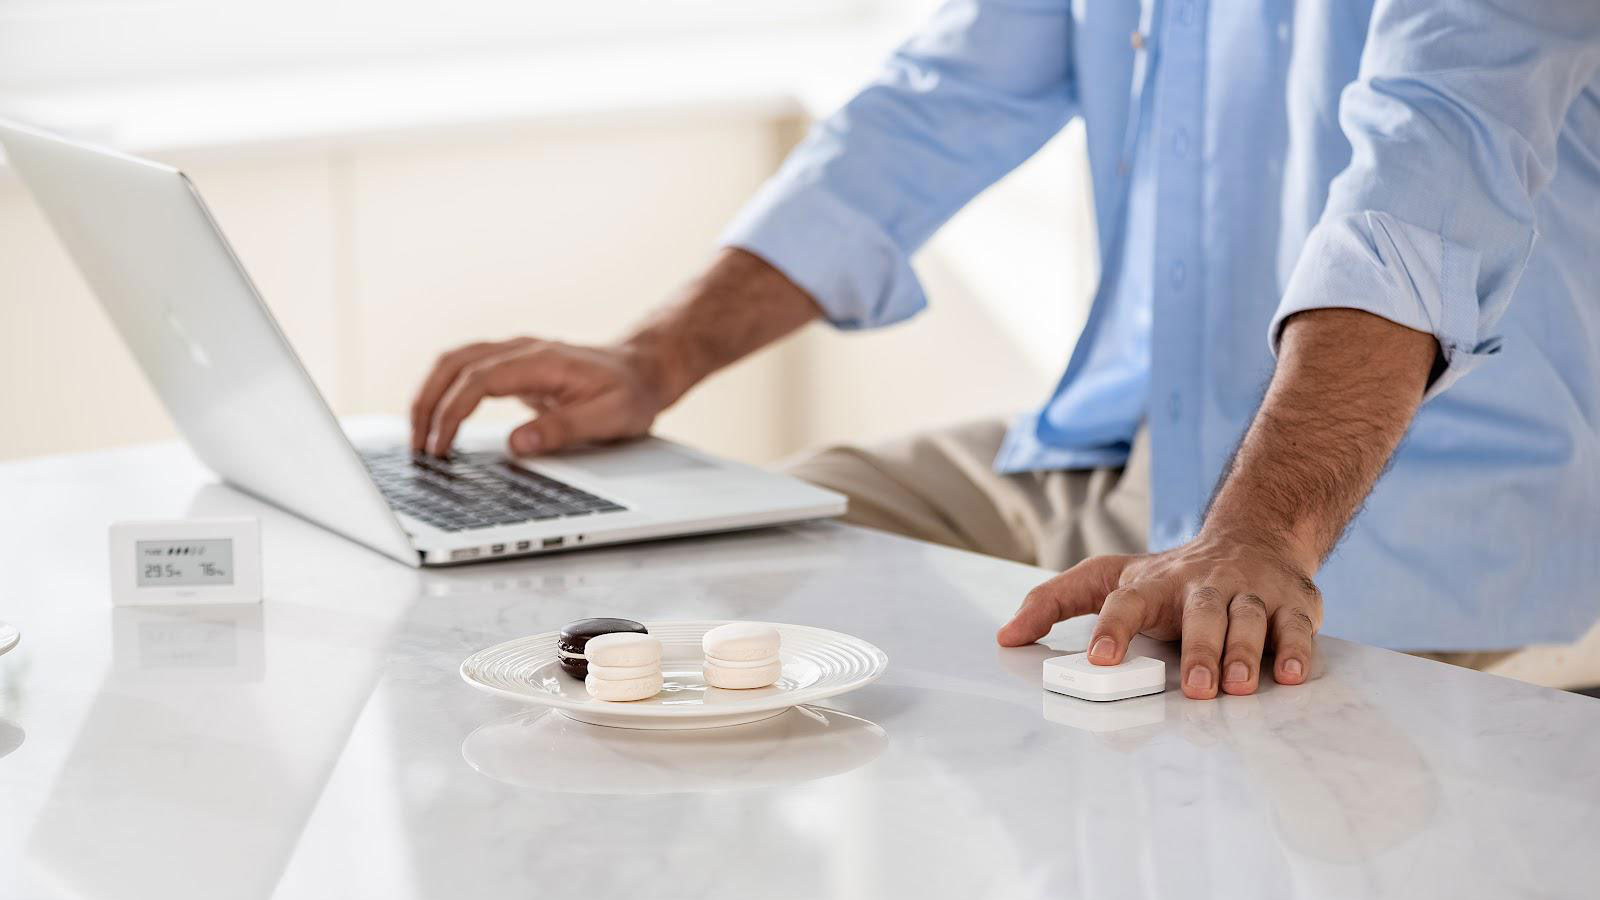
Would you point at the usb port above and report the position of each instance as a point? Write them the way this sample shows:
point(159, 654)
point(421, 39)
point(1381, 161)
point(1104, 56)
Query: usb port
point(497, 549)
point(523, 545)
point(547, 543)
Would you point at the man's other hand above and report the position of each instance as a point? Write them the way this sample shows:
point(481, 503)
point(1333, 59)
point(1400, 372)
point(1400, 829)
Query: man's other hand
point(1228, 598)
point(580, 394)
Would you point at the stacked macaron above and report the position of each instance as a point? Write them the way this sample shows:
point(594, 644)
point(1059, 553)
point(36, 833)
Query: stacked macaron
point(575, 637)
point(742, 655)
point(623, 665)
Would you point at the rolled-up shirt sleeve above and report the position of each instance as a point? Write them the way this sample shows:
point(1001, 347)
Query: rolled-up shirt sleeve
point(1453, 125)
point(966, 100)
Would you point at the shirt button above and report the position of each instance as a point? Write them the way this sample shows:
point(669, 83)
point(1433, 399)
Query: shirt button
point(1179, 273)
point(1180, 143)
point(1174, 406)
point(1136, 40)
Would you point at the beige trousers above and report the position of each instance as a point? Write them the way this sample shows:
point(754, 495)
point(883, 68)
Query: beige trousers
point(940, 487)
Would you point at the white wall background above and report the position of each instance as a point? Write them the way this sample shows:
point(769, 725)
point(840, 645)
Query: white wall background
point(394, 208)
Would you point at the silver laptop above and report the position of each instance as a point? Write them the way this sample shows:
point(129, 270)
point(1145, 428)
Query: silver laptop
point(165, 274)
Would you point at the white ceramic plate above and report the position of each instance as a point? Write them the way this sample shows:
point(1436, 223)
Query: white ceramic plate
point(9, 636)
point(817, 664)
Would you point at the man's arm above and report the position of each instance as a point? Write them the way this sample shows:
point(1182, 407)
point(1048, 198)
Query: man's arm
point(964, 101)
point(583, 394)
point(1453, 125)
point(1346, 388)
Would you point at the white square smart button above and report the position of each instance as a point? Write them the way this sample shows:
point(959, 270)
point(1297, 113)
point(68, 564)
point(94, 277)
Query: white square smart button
point(1075, 676)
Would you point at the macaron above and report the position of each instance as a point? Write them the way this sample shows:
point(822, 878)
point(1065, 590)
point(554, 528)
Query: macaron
point(574, 637)
point(742, 655)
point(623, 666)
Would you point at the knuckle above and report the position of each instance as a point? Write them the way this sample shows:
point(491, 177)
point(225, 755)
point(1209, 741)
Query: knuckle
point(1309, 590)
point(1130, 574)
point(1244, 651)
point(1298, 622)
point(1205, 600)
point(1115, 623)
point(475, 376)
point(1122, 601)
point(1249, 607)
point(458, 354)
point(1203, 649)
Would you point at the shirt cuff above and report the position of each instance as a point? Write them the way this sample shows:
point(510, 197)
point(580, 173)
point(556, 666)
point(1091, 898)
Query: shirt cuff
point(1409, 275)
point(844, 260)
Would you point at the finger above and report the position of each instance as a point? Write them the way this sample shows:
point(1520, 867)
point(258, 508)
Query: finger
point(444, 373)
point(1121, 617)
point(559, 427)
point(539, 402)
point(515, 372)
point(1293, 639)
point(1075, 592)
point(1205, 623)
point(1247, 636)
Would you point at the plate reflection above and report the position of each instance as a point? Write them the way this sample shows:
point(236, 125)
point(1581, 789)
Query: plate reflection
point(11, 736)
point(547, 751)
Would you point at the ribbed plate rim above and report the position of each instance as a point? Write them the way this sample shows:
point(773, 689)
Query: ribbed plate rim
point(878, 664)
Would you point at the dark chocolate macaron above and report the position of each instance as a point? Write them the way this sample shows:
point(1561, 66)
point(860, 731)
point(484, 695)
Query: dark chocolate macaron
point(569, 646)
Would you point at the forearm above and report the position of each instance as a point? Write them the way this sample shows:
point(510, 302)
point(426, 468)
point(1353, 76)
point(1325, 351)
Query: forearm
point(739, 305)
point(1346, 388)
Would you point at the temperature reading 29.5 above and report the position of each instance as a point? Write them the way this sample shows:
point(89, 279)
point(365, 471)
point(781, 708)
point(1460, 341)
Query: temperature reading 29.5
point(184, 563)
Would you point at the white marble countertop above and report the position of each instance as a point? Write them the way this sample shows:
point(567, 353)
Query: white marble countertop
point(322, 745)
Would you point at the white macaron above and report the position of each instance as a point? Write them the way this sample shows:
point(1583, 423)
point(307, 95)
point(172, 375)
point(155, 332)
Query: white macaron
point(742, 655)
point(624, 689)
point(623, 666)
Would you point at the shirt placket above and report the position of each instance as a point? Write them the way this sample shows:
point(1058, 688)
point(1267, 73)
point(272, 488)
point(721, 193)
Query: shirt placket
point(1177, 287)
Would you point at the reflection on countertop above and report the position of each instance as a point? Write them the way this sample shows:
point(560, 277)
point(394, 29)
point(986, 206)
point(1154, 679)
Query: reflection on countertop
point(548, 751)
point(11, 737)
point(207, 644)
point(324, 744)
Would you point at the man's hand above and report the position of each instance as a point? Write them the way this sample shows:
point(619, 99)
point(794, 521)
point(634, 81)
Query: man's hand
point(1230, 600)
point(1346, 388)
point(581, 394)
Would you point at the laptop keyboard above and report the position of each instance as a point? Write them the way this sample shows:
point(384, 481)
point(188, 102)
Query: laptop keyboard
point(476, 490)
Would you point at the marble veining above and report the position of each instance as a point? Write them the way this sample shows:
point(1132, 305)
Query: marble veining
point(322, 744)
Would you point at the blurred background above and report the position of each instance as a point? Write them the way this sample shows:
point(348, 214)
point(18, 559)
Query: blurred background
point(401, 176)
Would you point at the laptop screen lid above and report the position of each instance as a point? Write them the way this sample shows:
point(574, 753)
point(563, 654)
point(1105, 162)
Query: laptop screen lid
point(159, 265)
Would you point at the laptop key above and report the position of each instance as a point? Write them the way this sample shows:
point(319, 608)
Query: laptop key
point(476, 490)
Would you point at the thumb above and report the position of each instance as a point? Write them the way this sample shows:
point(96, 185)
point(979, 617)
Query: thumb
point(1077, 591)
point(563, 426)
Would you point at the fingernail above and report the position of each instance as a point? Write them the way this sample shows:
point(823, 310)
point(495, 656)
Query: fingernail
point(1238, 673)
point(528, 442)
point(1200, 678)
point(1292, 668)
point(1105, 648)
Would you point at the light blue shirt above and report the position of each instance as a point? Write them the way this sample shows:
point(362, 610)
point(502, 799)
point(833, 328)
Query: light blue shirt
point(1435, 162)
